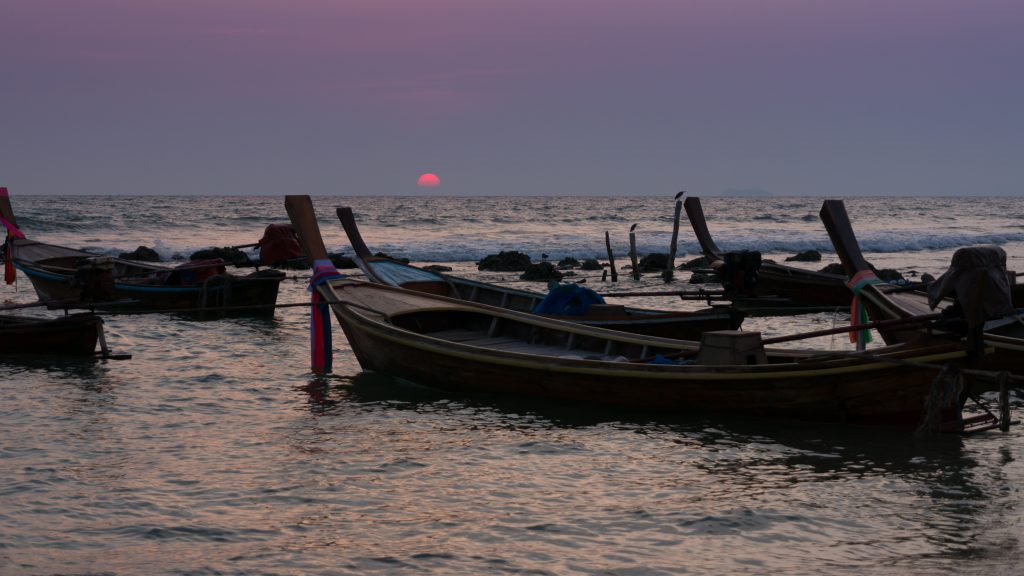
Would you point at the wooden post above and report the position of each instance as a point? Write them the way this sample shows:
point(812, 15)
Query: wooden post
point(611, 258)
point(632, 252)
point(1004, 401)
point(102, 338)
point(671, 268)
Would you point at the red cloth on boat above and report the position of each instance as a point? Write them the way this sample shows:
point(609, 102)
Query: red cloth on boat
point(279, 243)
point(195, 272)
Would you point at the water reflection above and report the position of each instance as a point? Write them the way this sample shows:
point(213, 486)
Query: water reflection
point(867, 492)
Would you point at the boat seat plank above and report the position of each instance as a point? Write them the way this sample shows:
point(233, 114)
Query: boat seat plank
point(458, 335)
point(505, 344)
point(491, 341)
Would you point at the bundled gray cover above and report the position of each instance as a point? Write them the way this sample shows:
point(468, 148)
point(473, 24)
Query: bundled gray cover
point(977, 277)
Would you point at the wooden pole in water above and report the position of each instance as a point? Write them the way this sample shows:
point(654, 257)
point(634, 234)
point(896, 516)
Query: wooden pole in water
point(611, 258)
point(670, 269)
point(1004, 401)
point(632, 252)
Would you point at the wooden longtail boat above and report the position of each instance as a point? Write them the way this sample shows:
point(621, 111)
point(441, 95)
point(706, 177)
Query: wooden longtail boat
point(669, 324)
point(69, 275)
point(466, 346)
point(887, 302)
point(71, 335)
point(744, 275)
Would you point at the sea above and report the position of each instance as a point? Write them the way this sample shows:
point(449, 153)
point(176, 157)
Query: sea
point(215, 450)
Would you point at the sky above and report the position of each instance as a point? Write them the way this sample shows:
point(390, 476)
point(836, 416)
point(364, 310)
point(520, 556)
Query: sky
point(507, 97)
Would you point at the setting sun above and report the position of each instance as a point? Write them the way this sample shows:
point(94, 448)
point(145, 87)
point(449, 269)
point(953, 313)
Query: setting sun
point(428, 180)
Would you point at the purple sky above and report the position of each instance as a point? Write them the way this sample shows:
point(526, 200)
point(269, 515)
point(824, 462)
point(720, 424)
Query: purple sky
point(582, 97)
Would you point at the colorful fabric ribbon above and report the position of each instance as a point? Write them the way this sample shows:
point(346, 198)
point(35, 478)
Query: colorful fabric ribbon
point(9, 274)
point(12, 230)
point(320, 318)
point(858, 313)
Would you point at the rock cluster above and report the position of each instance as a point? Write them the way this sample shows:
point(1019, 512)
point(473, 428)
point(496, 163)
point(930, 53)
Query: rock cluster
point(229, 255)
point(806, 256)
point(699, 262)
point(141, 254)
point(653, 262)
point(567, 263)
point(541, 271)
point(510, 261)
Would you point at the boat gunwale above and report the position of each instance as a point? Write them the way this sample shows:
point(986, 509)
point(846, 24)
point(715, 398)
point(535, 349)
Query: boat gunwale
point(775, 371)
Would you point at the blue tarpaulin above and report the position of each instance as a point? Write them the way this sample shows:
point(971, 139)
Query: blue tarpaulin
point(569, 299)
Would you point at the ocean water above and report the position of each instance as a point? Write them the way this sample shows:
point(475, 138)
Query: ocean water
point(214, 450)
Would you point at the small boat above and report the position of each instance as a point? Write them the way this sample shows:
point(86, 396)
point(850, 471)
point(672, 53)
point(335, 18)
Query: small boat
point(754, 282)
point(887, 302)
point(466, 346)
point(71, 335)
point(669, 324)
point(65, 274)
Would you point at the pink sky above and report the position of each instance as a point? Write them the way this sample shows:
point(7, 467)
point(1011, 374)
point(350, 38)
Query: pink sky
point(539, 96)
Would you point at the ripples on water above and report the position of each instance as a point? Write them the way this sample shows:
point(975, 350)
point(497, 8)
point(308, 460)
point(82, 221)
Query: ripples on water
point(214, 451)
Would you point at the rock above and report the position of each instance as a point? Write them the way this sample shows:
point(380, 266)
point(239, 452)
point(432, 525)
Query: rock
point(590, 264)
point(834, 268)
point(700, 278)
point(653, 262)
point(511, 261)
point(541, 271)
point(141, 254)
point(292, 264)
point(232, 256)
point(342, 262)
point(392, 258)
point(927, 278)
point(567, 263)
point(889, 275)
point(699, 262)
point(806, 256)
point(438, 268)
point(568, 273)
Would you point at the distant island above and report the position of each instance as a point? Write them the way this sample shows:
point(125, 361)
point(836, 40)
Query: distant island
point(746, 192)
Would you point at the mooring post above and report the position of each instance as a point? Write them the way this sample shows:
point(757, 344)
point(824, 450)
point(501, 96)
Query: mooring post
point(611, 257)
point(1004, 401)
point(632, 252)
point(670, 269)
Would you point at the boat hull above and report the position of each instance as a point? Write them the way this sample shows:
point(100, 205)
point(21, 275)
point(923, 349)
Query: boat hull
point(68, 335)
point(660, 323)
point(251, 295)
point(844, 391)
point(802, 286)
point(883, 302)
